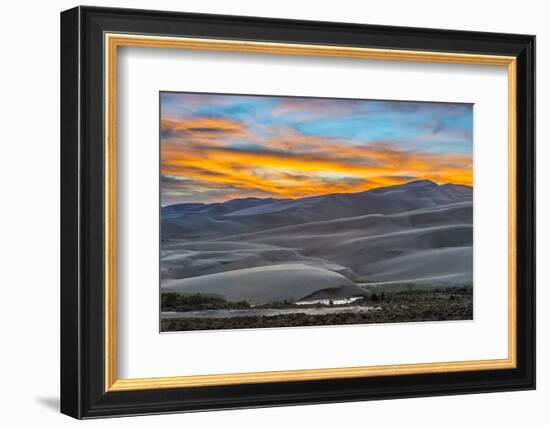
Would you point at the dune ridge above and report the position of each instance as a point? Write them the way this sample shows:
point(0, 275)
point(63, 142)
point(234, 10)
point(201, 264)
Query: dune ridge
point(266, 284)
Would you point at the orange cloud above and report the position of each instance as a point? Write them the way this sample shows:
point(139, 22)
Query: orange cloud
point(204, 125)
point(218, 157)
point(297, 174)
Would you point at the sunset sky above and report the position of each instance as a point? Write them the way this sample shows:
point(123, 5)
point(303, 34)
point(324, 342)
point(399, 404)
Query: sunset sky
point(219, 147)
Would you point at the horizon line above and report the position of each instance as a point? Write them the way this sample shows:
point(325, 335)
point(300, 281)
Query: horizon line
point(314, 196)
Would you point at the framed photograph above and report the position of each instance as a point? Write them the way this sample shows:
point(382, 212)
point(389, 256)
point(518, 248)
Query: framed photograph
point(261, 212)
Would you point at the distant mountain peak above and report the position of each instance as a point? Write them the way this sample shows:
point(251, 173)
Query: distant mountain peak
point(465, 186)
point(258, 204)
point(423, 183)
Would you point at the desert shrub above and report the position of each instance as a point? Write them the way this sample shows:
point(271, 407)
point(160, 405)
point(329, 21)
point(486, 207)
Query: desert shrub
point(172, 301)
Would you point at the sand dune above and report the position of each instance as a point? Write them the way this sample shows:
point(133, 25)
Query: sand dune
point(416, 234)
point(201, 221)
point(182, 260)
point(260, 285)
point(368, 244)
point(371, 224)
point(424, 264)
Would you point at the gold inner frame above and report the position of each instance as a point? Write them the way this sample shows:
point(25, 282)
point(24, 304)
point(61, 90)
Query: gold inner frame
point(113, 41)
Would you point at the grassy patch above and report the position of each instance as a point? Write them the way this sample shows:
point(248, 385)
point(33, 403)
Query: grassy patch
point(195, 302)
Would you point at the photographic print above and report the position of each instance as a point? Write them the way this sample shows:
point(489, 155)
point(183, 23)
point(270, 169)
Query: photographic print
point(284, 211)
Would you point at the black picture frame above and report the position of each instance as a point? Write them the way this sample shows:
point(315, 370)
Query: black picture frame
point(83, 392)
